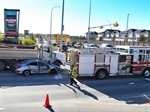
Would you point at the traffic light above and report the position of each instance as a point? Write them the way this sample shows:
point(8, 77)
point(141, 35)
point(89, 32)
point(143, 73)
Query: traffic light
point(101, 27)
point(1, 37)
point(65, 38)
point(116, 24)
point(57, 38)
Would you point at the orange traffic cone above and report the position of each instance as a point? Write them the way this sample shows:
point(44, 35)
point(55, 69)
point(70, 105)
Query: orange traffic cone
point(47, 103)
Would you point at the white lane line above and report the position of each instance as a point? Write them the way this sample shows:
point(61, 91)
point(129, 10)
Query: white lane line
point(148, 79)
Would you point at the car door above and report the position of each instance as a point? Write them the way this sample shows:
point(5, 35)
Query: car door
point(43, 67)
point(33, 67)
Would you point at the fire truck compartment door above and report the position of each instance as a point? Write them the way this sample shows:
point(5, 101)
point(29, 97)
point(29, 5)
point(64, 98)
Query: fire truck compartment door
point(86, 64)
point(113, 61)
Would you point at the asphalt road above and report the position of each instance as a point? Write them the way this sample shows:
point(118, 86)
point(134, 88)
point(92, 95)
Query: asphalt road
point(114, 94)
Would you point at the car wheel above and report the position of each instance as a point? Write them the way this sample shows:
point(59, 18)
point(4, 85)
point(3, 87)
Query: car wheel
point(53, 71)
point(26, 73)
point(2, 65)
point(146, 72)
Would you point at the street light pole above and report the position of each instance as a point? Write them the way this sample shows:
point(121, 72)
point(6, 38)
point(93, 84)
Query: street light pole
point(89, 23)
point(110, 29)
point(62, 26)
point(127, 26)
point(51, 21)
point(109, 23)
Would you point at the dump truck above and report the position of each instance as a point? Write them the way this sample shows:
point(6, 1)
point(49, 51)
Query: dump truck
point(10, 54)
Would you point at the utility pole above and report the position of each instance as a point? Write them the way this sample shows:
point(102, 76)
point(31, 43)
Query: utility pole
point(126, 36)
point(127, 25)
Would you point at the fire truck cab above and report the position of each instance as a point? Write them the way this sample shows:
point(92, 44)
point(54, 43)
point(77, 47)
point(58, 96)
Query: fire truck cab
point(102, 63)
point(140, 58)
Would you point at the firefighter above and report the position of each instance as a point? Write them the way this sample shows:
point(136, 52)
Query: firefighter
point(66, 55)
point(73, 75)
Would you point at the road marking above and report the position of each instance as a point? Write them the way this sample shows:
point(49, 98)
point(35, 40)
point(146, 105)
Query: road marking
point(146, 97)
point(147, 79)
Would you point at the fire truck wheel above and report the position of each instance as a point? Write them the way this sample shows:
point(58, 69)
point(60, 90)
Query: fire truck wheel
point(146, 72)
point(101, 74)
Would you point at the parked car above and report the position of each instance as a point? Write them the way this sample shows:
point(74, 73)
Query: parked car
point(106, 46)
point(73, 43)
point(85, 45)
point(96, 45)
point(34, 66)
point(78, 45)
point(68, 44)
point(93, 45)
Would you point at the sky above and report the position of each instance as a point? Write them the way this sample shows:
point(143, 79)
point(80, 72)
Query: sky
point(35, 15)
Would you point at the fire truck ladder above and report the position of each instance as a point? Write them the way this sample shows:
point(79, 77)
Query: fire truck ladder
point(100, 50)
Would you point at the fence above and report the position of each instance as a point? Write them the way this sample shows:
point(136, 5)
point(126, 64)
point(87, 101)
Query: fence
point(124, 43)
point(146, 43)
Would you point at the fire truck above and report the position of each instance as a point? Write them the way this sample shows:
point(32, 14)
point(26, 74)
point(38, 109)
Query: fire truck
point(107, 62)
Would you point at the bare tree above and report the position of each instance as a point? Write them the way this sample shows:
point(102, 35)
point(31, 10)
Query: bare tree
point(142, 38)
point(148, 37)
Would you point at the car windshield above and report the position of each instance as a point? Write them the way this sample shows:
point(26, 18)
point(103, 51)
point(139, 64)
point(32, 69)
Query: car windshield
point(109, 45)
point(79, 43)
point(92, 45)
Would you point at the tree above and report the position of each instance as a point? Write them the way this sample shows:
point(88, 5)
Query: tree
point(142, 38)
point(148, 37)
point(32, 36)
point(28, 41)
point(37, 35)
point(114, 37)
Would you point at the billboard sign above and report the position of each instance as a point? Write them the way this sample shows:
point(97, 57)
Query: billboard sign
point(26, 33)
point(11, 22)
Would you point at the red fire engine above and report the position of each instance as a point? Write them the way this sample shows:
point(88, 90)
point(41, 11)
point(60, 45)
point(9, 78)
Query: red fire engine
point(106, 62)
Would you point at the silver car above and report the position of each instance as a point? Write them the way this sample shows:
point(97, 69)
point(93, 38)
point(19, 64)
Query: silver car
point(106, 46)
point(29, 67)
